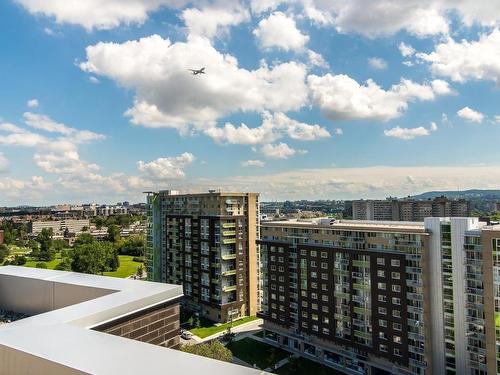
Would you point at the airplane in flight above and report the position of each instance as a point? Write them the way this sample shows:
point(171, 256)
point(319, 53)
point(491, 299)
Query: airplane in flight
point(197, 71)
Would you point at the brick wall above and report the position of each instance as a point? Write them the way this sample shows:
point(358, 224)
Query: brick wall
point(158, 326)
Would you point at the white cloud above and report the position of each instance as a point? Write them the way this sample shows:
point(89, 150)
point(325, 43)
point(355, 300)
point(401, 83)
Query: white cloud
point(339, 131)
point(406, 49)
point(470, 115)
point(434, 127)
point(274, 126)
point(94, 80)
point(280, 30)
point(42, 122)
point(32, 103)
point(316, 59)
point(341, 97)
point(166, 168)
point(253, 163)
point(65, 163)
point(441, 87)
point(497, 119)
point(467, 60)
point(278, 151)
point(4, 163)
point(406, 133)
point(96, 14)
point(212, 20)
point(377, 63)
point(168, 96)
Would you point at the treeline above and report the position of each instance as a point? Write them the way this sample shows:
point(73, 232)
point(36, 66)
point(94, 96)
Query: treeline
point(87, 254)
point(120, 220)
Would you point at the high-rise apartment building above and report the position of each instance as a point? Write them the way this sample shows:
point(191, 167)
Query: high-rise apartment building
point(207, 243)
point(384, 297)
point(409, 209)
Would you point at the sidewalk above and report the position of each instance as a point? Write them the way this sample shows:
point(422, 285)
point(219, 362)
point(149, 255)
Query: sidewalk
point(247, 328)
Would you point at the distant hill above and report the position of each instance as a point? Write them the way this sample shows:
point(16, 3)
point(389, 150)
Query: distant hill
point(468, 194)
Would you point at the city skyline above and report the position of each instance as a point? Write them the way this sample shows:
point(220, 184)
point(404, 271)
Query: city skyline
point(301, 99)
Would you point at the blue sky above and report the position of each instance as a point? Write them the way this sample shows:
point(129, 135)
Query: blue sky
point(339, 99)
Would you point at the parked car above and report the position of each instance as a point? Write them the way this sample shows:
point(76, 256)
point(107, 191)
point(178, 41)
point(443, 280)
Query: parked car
point(186, 335)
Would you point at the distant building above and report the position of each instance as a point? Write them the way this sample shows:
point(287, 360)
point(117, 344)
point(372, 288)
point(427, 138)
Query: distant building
point(408, 209)
point(207, 243)
point(59, 227)
point(2, 237)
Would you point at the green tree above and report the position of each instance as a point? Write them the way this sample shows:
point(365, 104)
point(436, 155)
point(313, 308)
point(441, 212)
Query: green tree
point(64, 265)
point(44, 238)
point(134, 246)
point(95, 258)
point(41, 265)
point(114, 233)
point(19, 260)
point(140, 271)
point(4, 252)
point(84, 238)
point(214, 350)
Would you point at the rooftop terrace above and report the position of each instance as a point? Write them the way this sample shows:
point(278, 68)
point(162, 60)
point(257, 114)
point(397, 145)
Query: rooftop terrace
point(62, 333)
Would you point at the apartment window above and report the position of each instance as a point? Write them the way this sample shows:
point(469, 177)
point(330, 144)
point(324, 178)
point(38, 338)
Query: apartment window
point(324, 276)
point(324, 298)
point(383, 348)
point(303, 293)
point(282, 298)
point(324, 265)
point(314, 285)
point(396, 313)
point(326, 320)
point(396, 301)
point(382, 310)
point(314, 253)
point(313, 263)
point(382, 336)
point(326, 331)
point(315, 327)
point(273, 306)
point(381, 286)
point(304, 303)
point(324, 287)
point(395, 262)
point(304, 325)
point(315, 317)
point(273, 295)
point(304, 314)
point(303, 252)
point(382, 298)
point(314, 295)
point(396, 288)
point(281, 279)
point(324, 309)
point(395, 275)
point(281, 269)
point(314, 306)
point(274, 316)
point(398, 352)
point(324, 254)
point(381, 273)
point(397, 339)
point(397, 326)
point(281, 288)
point(382, 323)
point(273, 277)
point(381, 261)
point(273, 258)
point(314, 274)
point(273, 286)
point(273, 267)
point(280, 259)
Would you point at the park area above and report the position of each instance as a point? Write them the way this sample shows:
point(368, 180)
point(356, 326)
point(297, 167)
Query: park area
point(203, 327)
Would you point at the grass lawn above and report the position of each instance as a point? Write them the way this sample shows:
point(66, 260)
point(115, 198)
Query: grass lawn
point(50, 265)
point(127, 267)
point(303, 366)
point(209, 328)
point(15, 250)
point(256, 352)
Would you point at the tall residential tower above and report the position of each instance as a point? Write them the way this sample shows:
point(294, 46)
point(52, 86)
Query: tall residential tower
point(207, 243)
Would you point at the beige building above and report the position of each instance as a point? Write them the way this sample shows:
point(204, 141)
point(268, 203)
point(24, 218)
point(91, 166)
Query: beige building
point(59, 227)
point(207, 243)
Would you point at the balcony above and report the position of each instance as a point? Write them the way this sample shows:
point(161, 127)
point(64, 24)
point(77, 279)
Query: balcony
point(229, 273)
point(228, 241)
point(226, 233)
point(228, 255)
point(229, 288)
point(361, 263)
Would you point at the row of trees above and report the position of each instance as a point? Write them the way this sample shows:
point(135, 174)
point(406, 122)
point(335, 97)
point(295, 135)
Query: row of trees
point(120, 220)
